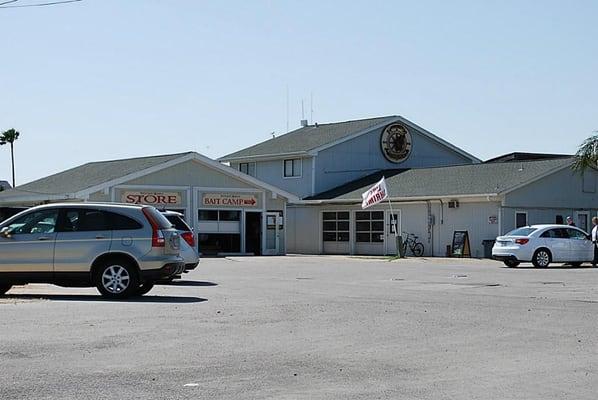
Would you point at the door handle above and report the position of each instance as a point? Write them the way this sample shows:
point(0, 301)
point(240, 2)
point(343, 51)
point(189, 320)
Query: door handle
point(100, 237)
point(43, 238)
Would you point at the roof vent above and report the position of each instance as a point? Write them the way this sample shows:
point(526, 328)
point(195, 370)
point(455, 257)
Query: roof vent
point(303, 122)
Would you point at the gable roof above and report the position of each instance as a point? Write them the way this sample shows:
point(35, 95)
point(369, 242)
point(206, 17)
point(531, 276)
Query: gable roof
point(88, 178)
point(463, 180)
point(312, 138)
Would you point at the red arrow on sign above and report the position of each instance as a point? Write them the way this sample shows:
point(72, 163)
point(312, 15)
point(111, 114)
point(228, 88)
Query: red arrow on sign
point(250, 202)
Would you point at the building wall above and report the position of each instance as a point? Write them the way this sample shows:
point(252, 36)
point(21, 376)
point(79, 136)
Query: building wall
point(362, 156)
point(305, 225)
point(271, 171)
point(563, 193)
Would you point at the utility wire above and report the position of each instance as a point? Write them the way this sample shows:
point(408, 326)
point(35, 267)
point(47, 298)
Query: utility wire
point(8, 2)
point(53, 3)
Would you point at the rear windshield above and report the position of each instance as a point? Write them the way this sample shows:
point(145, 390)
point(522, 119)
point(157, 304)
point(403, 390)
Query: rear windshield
point(160, 219)
point(521, 231)
point(178, 223)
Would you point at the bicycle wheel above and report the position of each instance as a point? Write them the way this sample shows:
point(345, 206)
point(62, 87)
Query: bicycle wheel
point(418, 250)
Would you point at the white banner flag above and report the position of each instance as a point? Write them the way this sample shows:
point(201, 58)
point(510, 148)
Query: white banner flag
point(375, 195)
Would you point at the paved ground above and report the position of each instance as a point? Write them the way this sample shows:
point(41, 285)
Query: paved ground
point(312, 328)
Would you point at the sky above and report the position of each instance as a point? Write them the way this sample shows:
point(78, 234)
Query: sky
point(108, 79)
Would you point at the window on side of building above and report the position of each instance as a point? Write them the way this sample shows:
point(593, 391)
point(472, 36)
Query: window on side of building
point(369, 226)
point(292, 168)
point(335, 226)
point(559, 220)
point(520, 219)
point(248, 168)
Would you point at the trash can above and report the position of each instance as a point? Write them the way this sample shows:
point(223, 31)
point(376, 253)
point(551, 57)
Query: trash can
point(488, 244)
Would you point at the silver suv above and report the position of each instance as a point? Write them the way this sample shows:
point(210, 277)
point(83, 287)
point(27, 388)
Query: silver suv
point(120, 249)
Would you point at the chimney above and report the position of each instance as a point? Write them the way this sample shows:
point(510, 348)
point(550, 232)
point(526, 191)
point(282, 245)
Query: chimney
point(303, 123)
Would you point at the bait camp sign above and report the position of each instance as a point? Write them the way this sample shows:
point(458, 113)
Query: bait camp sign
point(151, 198)
point(229, 200)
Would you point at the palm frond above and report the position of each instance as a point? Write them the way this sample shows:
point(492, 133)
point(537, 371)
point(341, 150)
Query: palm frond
point(587, 155)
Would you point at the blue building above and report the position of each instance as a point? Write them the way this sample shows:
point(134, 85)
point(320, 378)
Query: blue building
point(436, 188)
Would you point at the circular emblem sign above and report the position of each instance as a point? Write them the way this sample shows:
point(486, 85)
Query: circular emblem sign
point(396, 143)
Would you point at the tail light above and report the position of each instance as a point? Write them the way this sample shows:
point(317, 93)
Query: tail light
point(189, 238)
point(521, 241)
point(157, 235)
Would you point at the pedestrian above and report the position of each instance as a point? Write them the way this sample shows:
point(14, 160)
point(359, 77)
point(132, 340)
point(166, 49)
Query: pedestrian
point(570, 221)
point(595, 240)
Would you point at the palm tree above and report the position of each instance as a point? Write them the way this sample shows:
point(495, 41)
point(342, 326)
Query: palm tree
point(587, 154)
point(10, 136)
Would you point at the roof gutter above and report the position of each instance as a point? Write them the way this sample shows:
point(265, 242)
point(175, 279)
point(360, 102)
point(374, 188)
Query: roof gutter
point(484, 196)
point(264, 157)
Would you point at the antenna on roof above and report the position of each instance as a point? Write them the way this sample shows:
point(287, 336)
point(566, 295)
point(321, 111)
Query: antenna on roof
point(287, 108)
point(273, 133)
point(311, 107)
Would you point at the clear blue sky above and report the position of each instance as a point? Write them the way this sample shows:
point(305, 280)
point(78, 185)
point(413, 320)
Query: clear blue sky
point(105, 79)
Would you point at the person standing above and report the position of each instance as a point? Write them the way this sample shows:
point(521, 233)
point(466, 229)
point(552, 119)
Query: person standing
point(595, 240)
point(570, 221)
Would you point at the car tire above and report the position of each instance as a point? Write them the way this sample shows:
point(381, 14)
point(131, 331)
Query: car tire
point(117, 279)
point(542, 258)
point(511, 263)
point(145, 288)
point(4, 288)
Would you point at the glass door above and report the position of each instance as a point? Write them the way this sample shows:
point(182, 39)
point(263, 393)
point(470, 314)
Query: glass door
point(272, 234)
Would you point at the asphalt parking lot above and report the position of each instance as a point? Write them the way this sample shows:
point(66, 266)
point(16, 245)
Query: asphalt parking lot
point(312, 328)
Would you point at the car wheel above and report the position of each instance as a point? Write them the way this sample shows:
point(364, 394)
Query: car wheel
point(511, 263)
point(418, 250)
point(117, 279)
point(145, 288)
point(4, 288)
point(542, 258)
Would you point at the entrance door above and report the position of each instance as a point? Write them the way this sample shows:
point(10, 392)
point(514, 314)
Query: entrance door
point(391, 242)
point(272, 234)
point(253, 233)
point(581, 220)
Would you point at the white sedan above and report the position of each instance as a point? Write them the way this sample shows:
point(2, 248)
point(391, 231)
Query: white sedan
point(543, 244)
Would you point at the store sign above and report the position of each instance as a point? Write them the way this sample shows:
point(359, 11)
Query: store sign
point(493, 219)
point(151, 198)
point(229, 200)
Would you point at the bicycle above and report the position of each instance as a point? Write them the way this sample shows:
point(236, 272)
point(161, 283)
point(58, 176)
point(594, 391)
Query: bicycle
point(416, 247)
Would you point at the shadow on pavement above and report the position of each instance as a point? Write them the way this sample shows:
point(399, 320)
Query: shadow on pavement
point(189, 283)
point(551, 267)
point(81, 297)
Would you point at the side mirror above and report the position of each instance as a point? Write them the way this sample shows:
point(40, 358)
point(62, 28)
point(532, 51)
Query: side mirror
point(5, 232)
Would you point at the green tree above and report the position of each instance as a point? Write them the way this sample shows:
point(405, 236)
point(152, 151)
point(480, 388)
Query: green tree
point(587, 154)
point(9, 137)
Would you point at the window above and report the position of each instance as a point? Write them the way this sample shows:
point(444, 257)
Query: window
point(559, 233)
point(292, 168)
point(121, 223)
point(520, 219)
point(575, 234)
point(369, 226)
point(559, 220)
point(219, 215)
point(247, 168)
point(335, 226)
point(521, 232)
point(35, 222)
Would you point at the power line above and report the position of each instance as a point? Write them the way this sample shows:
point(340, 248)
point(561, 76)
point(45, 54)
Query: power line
point(53, 3)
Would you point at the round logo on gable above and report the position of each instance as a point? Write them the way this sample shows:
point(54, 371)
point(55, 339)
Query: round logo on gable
point(395, 142)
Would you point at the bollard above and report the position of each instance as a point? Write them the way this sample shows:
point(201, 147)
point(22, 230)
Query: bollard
point(400, 248)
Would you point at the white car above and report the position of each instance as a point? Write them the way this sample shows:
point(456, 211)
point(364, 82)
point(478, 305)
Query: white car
point(543, 244)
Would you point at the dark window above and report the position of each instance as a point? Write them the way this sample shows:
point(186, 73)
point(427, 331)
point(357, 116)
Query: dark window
point(208, 215)
point(520, 220)
point(292, 168)
point(214, 243)
point(575, 234)
point(335, 226)
point(559, 220)
point(559, 233)
point(230, 215)
point(36, 222)
point(369, 226)
point(119, 222)
point(521, 232)
point(178, 223)
point(247, 168)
